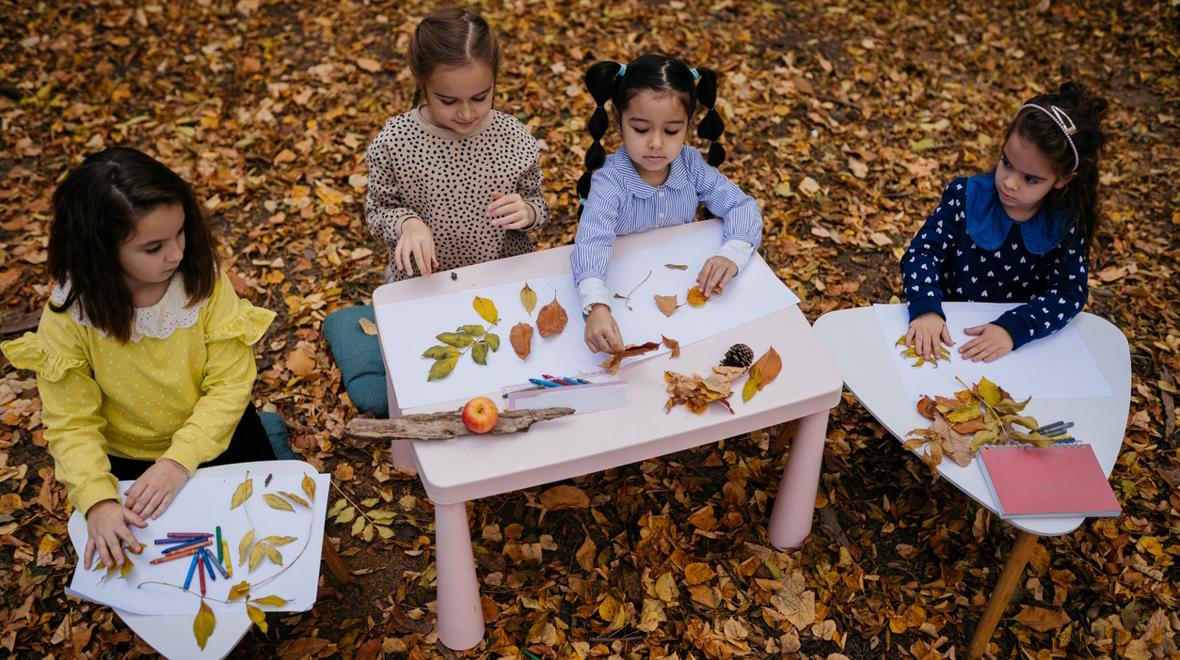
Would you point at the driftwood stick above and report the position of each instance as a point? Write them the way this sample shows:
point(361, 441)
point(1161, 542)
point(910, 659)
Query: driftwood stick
point(444, 425)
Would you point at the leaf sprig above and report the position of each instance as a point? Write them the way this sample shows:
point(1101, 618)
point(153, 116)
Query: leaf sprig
point(474, 338)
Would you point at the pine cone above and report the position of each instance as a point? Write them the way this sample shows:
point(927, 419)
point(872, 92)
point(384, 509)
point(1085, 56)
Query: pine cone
point(738, 355)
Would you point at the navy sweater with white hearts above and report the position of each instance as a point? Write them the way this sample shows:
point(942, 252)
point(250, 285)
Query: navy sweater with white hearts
point(946, 262)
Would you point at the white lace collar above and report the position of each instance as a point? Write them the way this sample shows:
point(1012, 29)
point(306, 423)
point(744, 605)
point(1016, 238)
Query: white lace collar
point(159, 321)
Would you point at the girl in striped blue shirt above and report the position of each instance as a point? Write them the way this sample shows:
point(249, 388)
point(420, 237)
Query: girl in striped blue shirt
point(654, 180)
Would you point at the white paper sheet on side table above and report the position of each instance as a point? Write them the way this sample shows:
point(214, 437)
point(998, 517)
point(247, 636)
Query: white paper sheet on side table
point(203, 504)
point(408, 328)
point(1059, 366)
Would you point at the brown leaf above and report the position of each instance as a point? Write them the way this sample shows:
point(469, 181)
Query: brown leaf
point(1041, 619)
point(372, 66)
point(698, 573)
point(564, 497)
point(301, 360)
point(667, 304)
point(367, 326)
point(611, 364)
point(672, 344)
point(586, 554)
point(551, 319)
point(521, 338)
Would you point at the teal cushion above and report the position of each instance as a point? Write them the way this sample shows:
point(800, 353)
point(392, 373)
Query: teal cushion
point(276, 432)
point(358, 356)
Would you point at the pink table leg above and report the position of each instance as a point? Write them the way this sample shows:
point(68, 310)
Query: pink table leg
point(790, 519)
point(402, 453)
point(460, 616)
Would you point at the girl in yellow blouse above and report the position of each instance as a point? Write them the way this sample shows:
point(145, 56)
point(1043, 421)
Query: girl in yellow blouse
point(143, 355)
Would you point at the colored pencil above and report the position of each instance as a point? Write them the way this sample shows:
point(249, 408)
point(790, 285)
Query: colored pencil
point(229, 564)
point(207, 558)
point(219, 544)
point(191, 543)
point(201, 572)
point(188, 535)
point(192, 568)
point(176, 555)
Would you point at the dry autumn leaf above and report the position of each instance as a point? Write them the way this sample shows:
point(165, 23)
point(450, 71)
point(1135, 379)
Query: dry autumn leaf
point(521, 338)
point(762, 373)
point(370, 65)
point(244, 546)
point(672, 344)
point(276, 502)
point(257, 616)
point(301, 360)
point(611, 364)
point(203, 624)
point(367, 326)
point(666, 304)
point(308, 485)
point(551, 319)
point(676, 266)
point(528, 298)
point(295, 498)
point(486, 309)
point(242, 492)
point(270, 601)
point(564, 497)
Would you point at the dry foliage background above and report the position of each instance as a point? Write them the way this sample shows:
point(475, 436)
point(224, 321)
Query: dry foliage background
point(844, 120)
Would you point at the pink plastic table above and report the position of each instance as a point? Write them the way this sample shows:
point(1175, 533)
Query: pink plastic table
point(457, 471)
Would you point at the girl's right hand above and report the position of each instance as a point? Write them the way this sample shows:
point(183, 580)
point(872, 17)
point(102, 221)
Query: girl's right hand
point(602, 333)
point(924, 335)
point(106, 526)
point(416, 241)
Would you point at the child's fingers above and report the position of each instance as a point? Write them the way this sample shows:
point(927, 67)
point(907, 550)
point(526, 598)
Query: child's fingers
point(128, 539)
point(153, 505)
point(420, 259)
point(132, 518)
point(500, 202)
point(946, 336)
point(909, 337)
point(974, 330)
point(726, 276)
point(89, 555)
point(162, 506)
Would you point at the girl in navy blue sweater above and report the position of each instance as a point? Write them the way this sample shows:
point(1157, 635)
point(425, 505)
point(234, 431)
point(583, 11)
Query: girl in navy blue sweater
point(1018, 234)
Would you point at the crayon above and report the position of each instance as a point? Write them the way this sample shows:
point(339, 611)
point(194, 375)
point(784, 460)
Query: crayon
point(219, 544)
point(205, 557)
point(188, 535)
point(543, 383)
point(215, 565)
point(201, 572)
point(189, 543)
point(192, 568)
point(229, 564)
point(172, 541)
point(176, 555)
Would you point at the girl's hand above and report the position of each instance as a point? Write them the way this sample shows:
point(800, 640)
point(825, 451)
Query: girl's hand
point(991, 343)
point(715, 274)
point(924, 335)
point(106, 527)
point(602, 333)
point(511, 211)
point(417, 241)
point(155, 489)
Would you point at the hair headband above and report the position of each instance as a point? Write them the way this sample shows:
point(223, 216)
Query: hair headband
point(1063, 122)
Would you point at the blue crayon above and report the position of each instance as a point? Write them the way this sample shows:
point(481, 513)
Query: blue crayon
point(174, 541)
point(204, 554)
point(216, 564)
point(188, 543)
point(192, 568)
point(543, 383)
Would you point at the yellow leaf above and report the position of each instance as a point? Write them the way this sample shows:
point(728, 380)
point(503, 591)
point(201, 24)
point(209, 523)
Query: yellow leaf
point(346, 516)
point(989, 392)
point(442, 368)
point(367, 534)
point(279, 540)
point(385, 532)
point(368, 327)
point(358, 526)
point(750, 388)
point(239, 590)
point(696, 297)
point(204, 624)
point(272, 553)
point(243, 492)
point(486, 309)
point(295, 498)
point(277, 502)
point(244, 546)
point(964, 413)
point(256, 556)
point(609, 608)
point(666, 588)
point(257, 616)
point(528, 298)
point(270, 601)
point(308, 487)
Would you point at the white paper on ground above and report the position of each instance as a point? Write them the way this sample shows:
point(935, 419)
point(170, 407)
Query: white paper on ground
point(201, 506)
point(408, 328)
point(1057, 367)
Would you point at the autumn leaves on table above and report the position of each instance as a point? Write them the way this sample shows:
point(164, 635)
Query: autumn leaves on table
point(478, 340)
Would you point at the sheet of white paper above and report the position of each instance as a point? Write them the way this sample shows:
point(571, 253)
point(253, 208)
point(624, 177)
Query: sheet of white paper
point(408, 328)
point(1057, 367)
point(202, 505)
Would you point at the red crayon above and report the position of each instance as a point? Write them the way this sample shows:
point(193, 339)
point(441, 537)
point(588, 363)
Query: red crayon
point(201, 572)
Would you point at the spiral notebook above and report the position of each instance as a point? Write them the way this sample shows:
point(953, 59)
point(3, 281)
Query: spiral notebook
point(1059, 481)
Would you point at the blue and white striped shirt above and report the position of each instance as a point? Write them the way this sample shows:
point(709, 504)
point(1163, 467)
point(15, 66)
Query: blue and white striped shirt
point(622, 203)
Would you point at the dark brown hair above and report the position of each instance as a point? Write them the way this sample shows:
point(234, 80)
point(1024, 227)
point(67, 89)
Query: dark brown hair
point(94, 212)
point(1085, 109)
point(618, 83)
point(451, 37)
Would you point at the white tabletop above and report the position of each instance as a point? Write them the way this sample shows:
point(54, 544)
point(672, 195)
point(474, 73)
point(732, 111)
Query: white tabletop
point(472, 467)
point(853, 338)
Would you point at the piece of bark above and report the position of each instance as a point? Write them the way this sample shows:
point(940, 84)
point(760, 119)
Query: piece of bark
point(444, 425)
point(12, 321)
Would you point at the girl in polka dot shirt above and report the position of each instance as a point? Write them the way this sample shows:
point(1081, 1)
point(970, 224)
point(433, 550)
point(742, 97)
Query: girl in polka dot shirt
point(143, 354)
point(1021, 233)
point(453, 182)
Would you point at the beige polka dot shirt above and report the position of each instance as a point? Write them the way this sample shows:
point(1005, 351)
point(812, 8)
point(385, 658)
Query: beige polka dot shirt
point(419, 170)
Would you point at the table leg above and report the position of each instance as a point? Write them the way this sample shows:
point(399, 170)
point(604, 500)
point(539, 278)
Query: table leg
point(403, 456)
point(1013, 569)
point(460, 616)
point(790, 519)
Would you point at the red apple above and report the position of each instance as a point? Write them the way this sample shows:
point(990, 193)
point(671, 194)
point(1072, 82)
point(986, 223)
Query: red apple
point(480, 414)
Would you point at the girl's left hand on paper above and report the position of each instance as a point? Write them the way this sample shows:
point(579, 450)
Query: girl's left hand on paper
point(107, 533)
point(715, 274)
point(991, 343)
point(511, 211)
point(155, 489)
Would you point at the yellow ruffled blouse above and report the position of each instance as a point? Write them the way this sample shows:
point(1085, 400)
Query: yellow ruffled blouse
point(176, 390)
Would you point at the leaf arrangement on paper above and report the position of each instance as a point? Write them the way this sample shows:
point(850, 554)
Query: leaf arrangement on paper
point(981, 414)
point(474, 338)
point(910, 352)
point(551, 319)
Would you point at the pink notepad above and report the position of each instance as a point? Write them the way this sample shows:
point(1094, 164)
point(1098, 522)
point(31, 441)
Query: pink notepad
point(1060, 481)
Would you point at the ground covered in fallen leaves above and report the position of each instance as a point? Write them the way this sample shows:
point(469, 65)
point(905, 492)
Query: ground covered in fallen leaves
point(843, 120)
